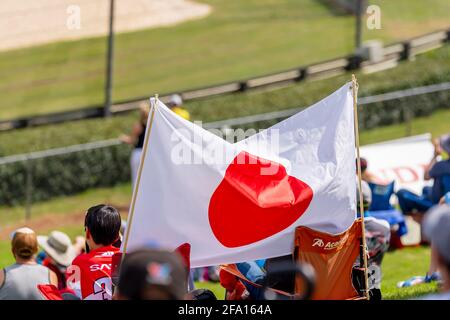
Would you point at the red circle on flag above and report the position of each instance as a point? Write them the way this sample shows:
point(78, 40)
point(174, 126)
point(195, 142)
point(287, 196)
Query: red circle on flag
point(255, 200)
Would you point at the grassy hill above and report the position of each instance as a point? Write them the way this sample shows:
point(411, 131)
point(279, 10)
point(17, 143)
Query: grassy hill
point(432, 67)
point(239, 39)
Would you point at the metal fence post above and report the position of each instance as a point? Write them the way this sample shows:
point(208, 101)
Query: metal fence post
point(407, 119)
point(406, 53)
point(28, 189)
point(109, 63)
point(358, 25)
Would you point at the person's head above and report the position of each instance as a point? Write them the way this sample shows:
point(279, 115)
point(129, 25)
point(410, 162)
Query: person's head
point(363, 165)
point(58, 247)
point(102, 224)
point(175, 101)
point(149, 274)
point(144, 110)
point(436, 228)
point(24, 244)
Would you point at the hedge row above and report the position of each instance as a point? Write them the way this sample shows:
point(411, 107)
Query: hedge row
point(429, 68)
point(64, 174)
point(390, 112)
point(401, 110)
point(76, 172)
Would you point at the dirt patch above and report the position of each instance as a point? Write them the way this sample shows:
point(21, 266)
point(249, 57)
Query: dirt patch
point(32, 22)
point(52, 222)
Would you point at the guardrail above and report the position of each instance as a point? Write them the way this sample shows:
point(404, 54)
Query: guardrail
point(392, 53)
point(27, 160)
point(394, 95)
point(232, 122)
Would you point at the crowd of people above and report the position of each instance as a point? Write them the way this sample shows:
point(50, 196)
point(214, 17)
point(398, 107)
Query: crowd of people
point(92, 268)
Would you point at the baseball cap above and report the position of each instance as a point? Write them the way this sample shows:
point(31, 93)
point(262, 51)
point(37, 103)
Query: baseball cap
point(436, 228)
point(24, 243)
point(150, 274)
point(445, 143)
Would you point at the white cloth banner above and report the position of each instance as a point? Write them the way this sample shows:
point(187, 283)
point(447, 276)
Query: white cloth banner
point(243, 201)
point(402, 160)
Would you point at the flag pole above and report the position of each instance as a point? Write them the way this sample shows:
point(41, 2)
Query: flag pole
point(141, 165)
point(358, 164)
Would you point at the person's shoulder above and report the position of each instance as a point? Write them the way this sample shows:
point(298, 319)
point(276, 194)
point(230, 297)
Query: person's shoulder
point(443, 163)
point(441, 167)
point(40, 266)
point(182, 112)
point(80, 259)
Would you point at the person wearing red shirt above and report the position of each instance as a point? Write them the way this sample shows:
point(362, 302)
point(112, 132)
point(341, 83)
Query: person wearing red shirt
point(90, 273)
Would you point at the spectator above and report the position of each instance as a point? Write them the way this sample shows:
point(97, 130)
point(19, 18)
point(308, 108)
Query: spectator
point(136, 139)
point(378, 234)
point(59, 253)
point(150, 274)
point(19, 281)
point(433, 273)
point(437, 230)
point(436, 170)
point(369, 177)
point(90, 273)
point(175, 104)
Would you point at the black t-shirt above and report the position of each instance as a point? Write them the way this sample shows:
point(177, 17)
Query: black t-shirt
point(140, 142)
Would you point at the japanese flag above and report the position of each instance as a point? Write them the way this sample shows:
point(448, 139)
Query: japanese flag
point(242, 201)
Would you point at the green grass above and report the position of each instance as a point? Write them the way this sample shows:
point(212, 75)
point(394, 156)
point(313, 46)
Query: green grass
point(119, 195)
point(216, 288)
point(437, 124)
point(401, 265)
point(432, 67)
point(240, 39)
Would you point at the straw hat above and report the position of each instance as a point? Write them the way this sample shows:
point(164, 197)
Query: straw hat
point(59, 247)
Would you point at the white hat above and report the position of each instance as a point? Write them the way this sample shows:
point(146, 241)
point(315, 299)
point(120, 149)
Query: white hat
point(175, 100)
point(59, 247)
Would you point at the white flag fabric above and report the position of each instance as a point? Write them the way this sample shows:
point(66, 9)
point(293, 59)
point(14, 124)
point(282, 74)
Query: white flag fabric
point(242, 201)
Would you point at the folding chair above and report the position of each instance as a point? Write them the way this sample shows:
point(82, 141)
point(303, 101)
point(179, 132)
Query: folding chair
point(333, 258)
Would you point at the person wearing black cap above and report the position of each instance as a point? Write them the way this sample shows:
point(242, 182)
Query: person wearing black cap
point(149, 274)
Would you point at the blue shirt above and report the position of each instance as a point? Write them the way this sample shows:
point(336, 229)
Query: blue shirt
point(437, 172)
